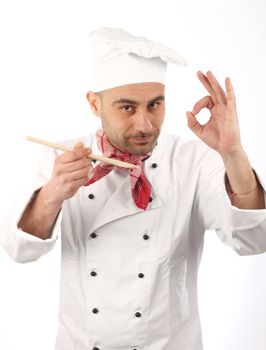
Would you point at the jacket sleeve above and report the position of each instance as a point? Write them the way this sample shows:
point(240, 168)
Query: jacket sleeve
point(243, 230)
point(22, 246)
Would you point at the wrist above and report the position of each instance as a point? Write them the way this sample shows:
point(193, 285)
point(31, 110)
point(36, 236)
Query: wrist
point(48, 196)
point(239, 172)
point(235, 155)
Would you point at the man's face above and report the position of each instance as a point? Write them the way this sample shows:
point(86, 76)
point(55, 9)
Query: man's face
point(132, 115)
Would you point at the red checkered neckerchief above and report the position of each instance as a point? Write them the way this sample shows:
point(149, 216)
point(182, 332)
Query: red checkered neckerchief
point(140, 186)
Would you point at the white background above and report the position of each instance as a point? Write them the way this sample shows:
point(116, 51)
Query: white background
point(43, 84)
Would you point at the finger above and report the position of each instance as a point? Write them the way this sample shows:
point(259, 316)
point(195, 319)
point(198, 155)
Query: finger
point(205, 102)
point(76, 165)
point(193, 124)
point(205, 82)
point(79, 144)
point(77, 183)
point(84, 180)
point(75, 154)
point(79, 174)
point(229, 90)
point(218, 90)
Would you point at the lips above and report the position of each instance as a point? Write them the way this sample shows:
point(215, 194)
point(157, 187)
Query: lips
point(142, 139)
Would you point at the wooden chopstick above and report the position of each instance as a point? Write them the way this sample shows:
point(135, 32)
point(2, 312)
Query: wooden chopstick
point(111, 161)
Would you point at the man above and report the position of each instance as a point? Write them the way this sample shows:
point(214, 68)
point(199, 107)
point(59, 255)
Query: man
point(132, 240)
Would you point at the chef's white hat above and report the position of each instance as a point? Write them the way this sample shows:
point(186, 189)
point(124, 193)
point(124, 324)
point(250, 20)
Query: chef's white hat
point(117, 58)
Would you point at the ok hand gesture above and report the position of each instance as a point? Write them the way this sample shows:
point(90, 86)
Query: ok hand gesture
point(221, 132)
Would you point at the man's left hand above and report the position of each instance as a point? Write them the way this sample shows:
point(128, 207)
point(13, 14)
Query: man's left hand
point(221, 132)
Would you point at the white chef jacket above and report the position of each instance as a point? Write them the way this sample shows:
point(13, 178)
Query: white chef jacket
point(128, 276)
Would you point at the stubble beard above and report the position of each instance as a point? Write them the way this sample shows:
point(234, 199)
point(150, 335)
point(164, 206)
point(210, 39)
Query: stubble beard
point(123, 143)
point(140, 148)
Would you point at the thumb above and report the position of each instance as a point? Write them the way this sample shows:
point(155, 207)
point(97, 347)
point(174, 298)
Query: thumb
point(193, 124)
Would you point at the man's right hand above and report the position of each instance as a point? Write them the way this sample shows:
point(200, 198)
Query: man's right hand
point(71, 171)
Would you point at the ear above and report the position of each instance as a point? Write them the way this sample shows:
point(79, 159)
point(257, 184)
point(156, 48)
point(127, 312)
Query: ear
point(95, 103)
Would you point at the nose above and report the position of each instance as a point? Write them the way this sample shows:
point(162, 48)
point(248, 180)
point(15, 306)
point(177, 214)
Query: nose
point(142, 122)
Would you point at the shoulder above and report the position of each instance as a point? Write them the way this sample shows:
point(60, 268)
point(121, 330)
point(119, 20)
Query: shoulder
point(194, 153)
point(177, 145)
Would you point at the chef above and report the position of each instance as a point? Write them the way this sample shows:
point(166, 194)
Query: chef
point(131, 240)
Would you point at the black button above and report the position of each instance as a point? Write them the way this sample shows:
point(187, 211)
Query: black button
point(146, 237)
point(150, 199)
point(94, 160)
point(138, 314)
point(141, 275)
point(154, 165)
point(93, 235)
point(91, 196)
point(93, 273)
point(95, 348)
point(95, 310)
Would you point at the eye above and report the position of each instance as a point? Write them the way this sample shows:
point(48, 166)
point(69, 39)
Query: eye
point(154, 105)
point(127, 108)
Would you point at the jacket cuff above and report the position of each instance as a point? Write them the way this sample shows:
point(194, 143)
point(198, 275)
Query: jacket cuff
point(23, 246)
point(247, 218)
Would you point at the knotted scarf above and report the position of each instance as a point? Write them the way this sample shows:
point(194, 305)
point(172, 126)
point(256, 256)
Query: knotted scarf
point(140, 186)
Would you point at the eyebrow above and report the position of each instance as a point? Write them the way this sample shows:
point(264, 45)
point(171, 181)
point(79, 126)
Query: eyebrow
point(136, 103)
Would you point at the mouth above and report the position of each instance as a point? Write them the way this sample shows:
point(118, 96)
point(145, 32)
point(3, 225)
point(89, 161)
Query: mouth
point(145, 139)
point(142, 139)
